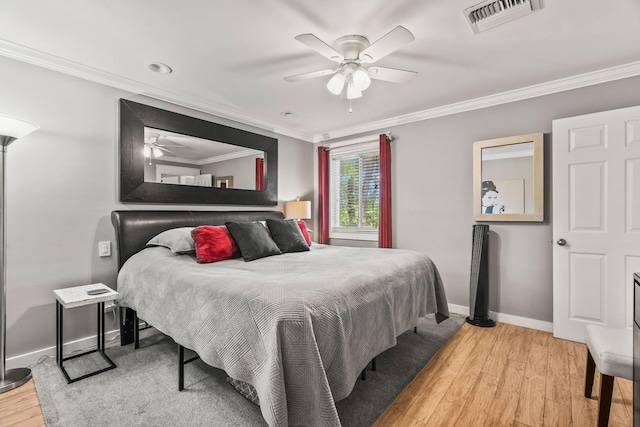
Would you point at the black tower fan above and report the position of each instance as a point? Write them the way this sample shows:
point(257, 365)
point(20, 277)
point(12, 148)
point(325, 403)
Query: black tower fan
point(479, 287)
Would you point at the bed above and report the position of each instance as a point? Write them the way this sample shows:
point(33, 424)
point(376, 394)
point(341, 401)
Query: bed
point(298, 327)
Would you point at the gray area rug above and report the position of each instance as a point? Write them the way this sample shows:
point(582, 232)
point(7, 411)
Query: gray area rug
point(143, 389)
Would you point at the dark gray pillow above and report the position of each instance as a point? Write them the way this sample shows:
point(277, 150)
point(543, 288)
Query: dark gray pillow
point(253, 240)
point(287, 235)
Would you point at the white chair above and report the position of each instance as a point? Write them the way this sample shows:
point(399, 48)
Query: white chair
point(611, 350)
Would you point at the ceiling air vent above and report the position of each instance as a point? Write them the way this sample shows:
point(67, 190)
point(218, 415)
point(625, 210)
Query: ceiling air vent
point(491, 13)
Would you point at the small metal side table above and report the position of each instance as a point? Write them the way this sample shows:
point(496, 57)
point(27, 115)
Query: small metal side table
point(79, 296)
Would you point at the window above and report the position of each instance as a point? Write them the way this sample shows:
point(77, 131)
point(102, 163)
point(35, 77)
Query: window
point(355, 178)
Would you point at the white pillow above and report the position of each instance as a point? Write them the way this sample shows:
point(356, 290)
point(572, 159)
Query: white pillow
point(179, 240)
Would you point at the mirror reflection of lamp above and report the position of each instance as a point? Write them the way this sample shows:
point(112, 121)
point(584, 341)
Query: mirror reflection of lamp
point(150, 148)
point(10, 130)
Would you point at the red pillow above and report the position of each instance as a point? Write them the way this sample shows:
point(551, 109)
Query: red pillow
point(305, 233)
point(214, 243)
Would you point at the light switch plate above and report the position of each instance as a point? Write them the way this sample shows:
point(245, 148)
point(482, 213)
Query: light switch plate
point(104, 249)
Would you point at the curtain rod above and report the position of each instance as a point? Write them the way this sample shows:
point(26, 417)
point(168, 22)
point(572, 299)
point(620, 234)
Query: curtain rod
point(360, 140)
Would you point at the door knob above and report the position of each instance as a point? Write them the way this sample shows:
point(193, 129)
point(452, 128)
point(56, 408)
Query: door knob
point(561, 242)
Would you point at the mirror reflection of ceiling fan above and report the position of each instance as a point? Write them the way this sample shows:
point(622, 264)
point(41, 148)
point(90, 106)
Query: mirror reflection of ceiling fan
point(153, 146)
point(351, 52)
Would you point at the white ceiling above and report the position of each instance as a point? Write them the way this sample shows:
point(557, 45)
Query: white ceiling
point(229, 57)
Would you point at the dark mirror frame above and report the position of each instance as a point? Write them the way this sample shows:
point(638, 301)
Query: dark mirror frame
point(133, 189)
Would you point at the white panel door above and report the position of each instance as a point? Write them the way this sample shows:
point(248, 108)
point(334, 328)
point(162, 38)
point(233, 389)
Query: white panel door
point(596, 220)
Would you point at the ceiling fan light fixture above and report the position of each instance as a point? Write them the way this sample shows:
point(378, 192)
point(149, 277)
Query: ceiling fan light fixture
point(156, 152)
point(336, 84)
point(361, 79)
point(353, 92)
point(146, 151)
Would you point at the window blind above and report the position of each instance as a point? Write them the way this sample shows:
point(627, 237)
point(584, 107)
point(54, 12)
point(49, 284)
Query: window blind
point(355, 179)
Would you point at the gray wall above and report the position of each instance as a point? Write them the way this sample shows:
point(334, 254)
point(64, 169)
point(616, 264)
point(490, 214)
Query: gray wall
point(243, 171)
point(432, 195)
point(62, 184)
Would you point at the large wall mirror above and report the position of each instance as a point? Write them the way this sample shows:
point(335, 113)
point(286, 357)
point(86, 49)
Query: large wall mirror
point(508, 178)
point(167, 157)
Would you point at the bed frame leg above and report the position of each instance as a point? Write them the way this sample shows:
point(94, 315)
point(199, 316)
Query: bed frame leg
point(363, 374)
point(181, 363)
point(180, 368)
point(136, 330)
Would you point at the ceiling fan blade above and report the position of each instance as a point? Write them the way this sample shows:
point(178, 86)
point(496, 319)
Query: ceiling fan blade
point(388, 43)
point(311, 75)
point(319, 46)
point(391, 74)
point(165, 141)
point(161, 147)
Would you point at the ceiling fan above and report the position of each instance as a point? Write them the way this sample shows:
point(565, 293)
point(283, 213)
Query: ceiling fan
point(351, 52)
point(152, 146)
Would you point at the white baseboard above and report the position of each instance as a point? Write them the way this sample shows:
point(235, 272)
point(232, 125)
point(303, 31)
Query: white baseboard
point(508, 318)
point(28, 359)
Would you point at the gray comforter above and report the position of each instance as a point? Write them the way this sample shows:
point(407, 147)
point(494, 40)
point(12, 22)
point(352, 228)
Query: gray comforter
point(298, 327)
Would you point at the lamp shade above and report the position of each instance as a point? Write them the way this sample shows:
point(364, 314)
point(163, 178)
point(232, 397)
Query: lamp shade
point(336, 84)
point(361, 79)
point(13, 129)
point(352, 91)
point(156, 151)
point(298, 209)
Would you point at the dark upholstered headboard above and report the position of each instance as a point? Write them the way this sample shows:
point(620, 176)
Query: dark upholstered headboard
point(135, 228)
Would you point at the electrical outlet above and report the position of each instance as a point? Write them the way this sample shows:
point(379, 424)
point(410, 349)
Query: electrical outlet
point(110, 307)
point(104, 249)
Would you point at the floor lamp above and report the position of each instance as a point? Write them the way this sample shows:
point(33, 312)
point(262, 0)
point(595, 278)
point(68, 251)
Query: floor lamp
point(10, 130)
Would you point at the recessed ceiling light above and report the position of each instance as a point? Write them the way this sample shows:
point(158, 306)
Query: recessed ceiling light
point(159, 67)
point(287, 114)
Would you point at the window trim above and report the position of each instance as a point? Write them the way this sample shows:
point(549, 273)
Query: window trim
point(363, 145)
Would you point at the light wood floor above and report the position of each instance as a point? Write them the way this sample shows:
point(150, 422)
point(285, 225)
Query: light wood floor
point(506, 375)
point(21, 407)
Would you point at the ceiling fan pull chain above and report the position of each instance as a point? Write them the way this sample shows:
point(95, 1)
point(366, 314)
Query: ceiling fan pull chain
point(350, 109)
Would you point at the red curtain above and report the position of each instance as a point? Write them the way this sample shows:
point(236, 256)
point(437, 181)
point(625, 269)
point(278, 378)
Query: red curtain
point(384, 219)
point(323, 194)
point(259, 174)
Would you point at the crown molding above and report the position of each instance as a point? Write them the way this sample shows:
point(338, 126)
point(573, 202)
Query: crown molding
point(581, 80)
point(55, 63)
point(61, 65)
point(229, 156)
